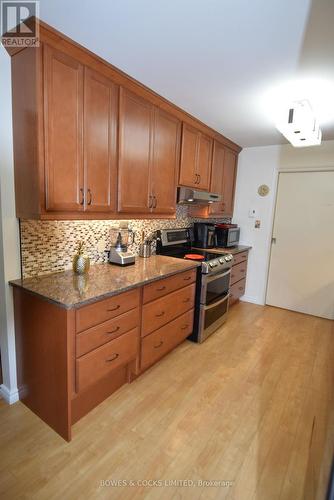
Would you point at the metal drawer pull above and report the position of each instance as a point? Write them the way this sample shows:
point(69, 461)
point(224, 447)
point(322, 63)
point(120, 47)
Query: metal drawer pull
point(186, 300)
point(155, 202)
point(90, 197)
point(115, 356)
point(159, 345)
point(161, 288)
point(160, 314)
point(113, 331)
point(114, 308)
point(184, 327)
point(241, 287)
point(187, 279)
point(82, 201)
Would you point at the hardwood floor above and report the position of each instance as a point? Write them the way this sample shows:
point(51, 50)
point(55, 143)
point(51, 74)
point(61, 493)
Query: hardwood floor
point(253, 405)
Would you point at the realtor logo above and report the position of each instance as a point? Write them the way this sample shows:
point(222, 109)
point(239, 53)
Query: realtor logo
point(19, 23)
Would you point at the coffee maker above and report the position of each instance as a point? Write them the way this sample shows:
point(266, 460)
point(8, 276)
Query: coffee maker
point(121, 237)
point(204, 235)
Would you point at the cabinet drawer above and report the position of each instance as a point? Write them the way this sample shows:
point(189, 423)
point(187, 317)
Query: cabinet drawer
point(106, 309)
point(238, 272)
point(163, 287)
point(158, 343)
point(161, 311)
point(103, 333)
point(237, 290)
point(105, 359)
point(240, 257)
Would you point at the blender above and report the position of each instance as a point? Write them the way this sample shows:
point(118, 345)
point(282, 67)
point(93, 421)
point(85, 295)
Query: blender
point(121, 237)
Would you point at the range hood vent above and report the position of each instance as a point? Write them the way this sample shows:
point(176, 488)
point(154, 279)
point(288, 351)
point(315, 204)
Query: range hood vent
point(188, 196)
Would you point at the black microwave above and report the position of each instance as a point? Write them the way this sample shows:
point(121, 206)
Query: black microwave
point(227, 236)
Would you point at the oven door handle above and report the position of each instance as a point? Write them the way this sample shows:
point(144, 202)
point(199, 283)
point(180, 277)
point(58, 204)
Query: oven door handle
point(211, 306)
point(217, 276)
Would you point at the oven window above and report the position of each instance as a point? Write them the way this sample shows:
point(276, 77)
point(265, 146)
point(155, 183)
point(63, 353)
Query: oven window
point(215, 314)
point(217, 288)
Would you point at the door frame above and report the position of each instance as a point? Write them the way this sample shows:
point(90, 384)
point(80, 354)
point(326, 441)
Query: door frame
point(294, 170)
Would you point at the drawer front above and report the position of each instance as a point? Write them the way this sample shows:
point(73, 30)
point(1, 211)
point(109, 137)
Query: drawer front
point(240, 257)
point(103, 333)
point(165, 286)
point(106, 309)
point(163, 310)
point(238, 272)
point(158, 343)
point(237, 290)
point(105, 359)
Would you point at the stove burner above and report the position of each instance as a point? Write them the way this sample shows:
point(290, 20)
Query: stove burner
point(194, 256)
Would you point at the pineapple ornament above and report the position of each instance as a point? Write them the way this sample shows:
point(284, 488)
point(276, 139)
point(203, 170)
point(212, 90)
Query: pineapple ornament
point(81, 262)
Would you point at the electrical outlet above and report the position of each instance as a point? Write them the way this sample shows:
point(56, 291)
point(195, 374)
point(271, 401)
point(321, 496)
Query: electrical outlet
point(257, 224)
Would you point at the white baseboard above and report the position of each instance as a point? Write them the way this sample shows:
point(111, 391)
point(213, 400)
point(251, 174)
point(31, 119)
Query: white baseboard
point(252, 300)
point(9, 396)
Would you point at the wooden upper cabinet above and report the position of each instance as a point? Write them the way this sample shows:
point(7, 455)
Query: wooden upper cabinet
point(223, 174)
point(217, 175)
point(196, 154)
point(100, 142)
point(165, 162)
point(189, 154)
point(204, 161)
point(229, 177)
point(135, 151)
point(63, 94)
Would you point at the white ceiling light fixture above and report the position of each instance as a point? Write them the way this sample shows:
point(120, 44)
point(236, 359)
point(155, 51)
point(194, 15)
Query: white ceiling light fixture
point(299, 125)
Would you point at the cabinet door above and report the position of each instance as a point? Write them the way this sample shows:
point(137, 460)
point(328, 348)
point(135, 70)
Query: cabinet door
point(230, 172)
point(217, 173)
point(100, 142)
point(165, 162)
point(189, 154)
point(63, 101)
point(204, 162)
point(135, 150)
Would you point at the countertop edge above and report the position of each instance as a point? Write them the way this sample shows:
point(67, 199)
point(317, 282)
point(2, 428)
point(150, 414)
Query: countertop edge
point(77, 305)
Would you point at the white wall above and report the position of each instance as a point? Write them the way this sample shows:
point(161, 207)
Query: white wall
point(9, 235)
point(258, 166)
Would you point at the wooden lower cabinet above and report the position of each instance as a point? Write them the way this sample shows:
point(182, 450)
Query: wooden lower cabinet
point(238, 277)
point(70, 360)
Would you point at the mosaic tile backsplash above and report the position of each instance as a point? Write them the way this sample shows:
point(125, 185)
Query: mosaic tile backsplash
point(49, 246)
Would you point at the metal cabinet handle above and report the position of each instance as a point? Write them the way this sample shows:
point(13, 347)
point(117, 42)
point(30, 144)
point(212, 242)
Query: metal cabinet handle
point(241, 287)
point(114, 308)
point(82, 201)
point(159, 345)
point(155, 202)
point(90, 197)
point(184, 327)
point(150, 201)
point(115, 356)
point(160, 314)
point(161, 288)
point(187, 279)
point(199, 178)
point(113, 331)
point(186, 300)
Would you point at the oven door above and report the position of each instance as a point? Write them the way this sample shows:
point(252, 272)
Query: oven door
point(212, 317)
point(215, 287)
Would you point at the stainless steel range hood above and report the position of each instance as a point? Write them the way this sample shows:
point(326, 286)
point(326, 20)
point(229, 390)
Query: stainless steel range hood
point(188, 196)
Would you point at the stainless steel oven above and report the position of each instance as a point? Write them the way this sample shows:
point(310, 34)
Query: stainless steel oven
point(213, 303)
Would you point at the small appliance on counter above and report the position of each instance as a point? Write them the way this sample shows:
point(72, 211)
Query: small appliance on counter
point(121, 237)
point(213, 279)
point(227, 235)
point(204, 235)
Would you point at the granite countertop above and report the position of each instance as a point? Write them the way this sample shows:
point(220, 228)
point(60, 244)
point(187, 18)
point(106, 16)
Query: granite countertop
point(232, 250)
point(70, 290)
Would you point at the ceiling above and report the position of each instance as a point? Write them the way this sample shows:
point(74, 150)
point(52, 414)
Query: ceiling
point(224, 61)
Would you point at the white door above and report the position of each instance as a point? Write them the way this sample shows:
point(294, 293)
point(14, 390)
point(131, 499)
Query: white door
point(301, 274)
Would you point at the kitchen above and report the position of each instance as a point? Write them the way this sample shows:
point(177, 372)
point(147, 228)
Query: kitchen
point(136, 246)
